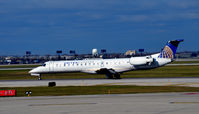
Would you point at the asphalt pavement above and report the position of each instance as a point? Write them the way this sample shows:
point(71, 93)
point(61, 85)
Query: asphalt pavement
point(191, 82)
point(159, 103)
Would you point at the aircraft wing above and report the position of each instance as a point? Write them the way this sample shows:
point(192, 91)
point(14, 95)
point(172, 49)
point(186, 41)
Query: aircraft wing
point(106, 71)
point(110, 73)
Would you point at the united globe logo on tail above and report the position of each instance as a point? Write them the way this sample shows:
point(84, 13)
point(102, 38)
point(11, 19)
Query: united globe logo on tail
point(166, 53)
point(170, 49)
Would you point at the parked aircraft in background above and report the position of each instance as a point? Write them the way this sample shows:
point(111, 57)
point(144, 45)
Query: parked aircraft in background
point(112, 68)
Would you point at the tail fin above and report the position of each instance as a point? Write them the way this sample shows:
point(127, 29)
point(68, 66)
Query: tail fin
point(169, 50)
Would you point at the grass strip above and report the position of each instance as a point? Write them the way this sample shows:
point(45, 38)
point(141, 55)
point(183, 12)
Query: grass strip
point(93, 90)
point(19, 66)
point(184, 62)
point(161, 72)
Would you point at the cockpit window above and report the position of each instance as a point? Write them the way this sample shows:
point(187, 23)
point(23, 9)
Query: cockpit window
point(43, 65)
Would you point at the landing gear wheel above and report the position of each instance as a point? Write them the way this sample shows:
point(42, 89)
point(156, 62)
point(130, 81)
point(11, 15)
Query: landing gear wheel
point(117, 76)
point(39, 77)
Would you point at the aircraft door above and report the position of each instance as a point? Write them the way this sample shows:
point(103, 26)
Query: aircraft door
point(51, 66)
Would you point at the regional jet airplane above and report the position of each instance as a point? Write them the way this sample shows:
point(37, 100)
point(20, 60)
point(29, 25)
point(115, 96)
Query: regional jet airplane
point(112, 68)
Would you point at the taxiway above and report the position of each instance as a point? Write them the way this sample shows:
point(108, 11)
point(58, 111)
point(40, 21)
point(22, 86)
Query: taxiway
point(191, 82)
point(161, 103)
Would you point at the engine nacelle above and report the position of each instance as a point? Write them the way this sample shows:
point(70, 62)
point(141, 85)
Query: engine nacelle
point(141, 60)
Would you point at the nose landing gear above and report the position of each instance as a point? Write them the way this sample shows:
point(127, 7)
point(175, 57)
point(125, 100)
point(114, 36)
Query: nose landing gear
point(39, 77)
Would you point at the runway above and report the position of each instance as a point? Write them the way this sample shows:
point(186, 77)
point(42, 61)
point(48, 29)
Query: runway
point(161, 103)
point(191, 82)
point(15, 68)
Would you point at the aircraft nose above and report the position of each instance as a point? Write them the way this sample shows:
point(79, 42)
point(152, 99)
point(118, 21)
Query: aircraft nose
point(33, 71)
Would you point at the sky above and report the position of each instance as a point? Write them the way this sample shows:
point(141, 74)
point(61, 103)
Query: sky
point(44, 26)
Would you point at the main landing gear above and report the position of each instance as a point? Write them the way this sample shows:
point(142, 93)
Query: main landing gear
point(113, 76)
point(117, 76)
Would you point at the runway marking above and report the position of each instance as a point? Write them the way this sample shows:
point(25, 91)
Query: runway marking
point(62, 104)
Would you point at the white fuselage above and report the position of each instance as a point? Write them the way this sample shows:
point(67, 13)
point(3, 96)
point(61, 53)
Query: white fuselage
point(111, 67)
point(92, 65)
